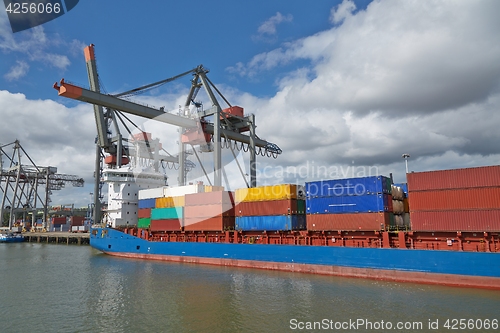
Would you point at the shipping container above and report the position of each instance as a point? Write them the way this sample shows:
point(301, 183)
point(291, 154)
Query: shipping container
point(269, 193)
point(210, 198)
point(151, 193)
point(348, 204)
point(460, 220)
point(274, 207)
point(143, 223)
point(147, 203)
point(167, 213)
point(219, 223)
point(182, 190)
point(348, 187)
point(59, 220)
point(167, 202)
point(457, 199)
point(349, 221)
point(144, 213)
point(166, 225)
point(454, 179)
point(206, 211)
point(270, 223)
point(77, 220)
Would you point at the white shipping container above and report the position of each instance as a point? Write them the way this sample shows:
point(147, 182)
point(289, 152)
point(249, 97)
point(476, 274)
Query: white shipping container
point(151, 193)
point(183, 190)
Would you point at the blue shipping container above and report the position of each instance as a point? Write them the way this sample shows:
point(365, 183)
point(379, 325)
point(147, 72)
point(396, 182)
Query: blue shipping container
point(147, 203)
point(348, 204)
point(348, 187)
point(275, 222)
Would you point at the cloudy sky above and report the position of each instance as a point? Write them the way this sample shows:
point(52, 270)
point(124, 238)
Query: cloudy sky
point(343, 87)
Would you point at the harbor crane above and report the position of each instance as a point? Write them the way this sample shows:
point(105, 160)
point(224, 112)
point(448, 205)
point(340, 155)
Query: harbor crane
point(198, 128)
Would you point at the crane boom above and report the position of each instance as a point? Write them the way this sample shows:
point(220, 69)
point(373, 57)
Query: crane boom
point(74, 92)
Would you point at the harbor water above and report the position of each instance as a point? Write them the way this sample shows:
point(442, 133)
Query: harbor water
point(70, 288)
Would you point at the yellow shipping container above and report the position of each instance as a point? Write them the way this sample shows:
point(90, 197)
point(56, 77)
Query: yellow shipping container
point(267, 193)
point(168, 202)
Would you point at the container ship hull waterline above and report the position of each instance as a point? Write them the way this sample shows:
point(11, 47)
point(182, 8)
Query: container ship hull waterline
point(308, 235)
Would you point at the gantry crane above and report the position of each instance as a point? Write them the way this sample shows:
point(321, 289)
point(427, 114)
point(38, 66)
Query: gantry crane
point(229, 124)
point(20, 182)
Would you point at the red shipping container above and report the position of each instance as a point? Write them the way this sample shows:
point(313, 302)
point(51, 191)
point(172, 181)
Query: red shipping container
point(275, 207)
point(209, 198)
point(464, 220)
point(460, 199)
point(165, 225)
point(219, 223)
point(77, 221)
point(454, 179)
point(144, 213)
point(205, 211)
point(348, 221)
point(59, 220)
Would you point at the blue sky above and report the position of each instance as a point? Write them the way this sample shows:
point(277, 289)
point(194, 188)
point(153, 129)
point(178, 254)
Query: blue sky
point(137, 46)
point(341, 85)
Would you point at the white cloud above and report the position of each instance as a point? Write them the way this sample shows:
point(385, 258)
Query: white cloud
point(398, 77)
point(33, 45)
point(52, 135)
point(269, 27)
point(267, 31)
point(17, 71)
point(342, 11)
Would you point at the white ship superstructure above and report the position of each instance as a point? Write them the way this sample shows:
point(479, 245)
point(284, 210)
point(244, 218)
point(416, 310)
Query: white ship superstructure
point(124, 183)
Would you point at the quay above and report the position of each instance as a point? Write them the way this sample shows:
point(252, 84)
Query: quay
point(57, 238)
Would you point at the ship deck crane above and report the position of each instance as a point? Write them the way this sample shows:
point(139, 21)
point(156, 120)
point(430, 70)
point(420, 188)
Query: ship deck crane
point(224, 125)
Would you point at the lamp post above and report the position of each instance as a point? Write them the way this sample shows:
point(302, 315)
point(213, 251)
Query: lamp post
point(406, 156)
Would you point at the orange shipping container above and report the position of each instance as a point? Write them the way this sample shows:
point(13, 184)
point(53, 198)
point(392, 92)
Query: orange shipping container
point(275, 207)
point(348, 221)
point(454, 179)
point(218, 223)
point(144, 213)
point(459, 199)
point(464, 220)
point(166, 225)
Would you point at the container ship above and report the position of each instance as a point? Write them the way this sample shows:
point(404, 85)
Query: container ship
point(441, 227)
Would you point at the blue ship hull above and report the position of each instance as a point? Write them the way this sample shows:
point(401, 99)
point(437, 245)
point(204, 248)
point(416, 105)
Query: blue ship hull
point(469, 269)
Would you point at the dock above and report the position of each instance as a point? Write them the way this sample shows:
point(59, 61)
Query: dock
point(57, 238)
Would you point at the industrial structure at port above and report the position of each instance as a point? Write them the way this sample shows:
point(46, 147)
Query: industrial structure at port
point(440, 227)
point(26, 187)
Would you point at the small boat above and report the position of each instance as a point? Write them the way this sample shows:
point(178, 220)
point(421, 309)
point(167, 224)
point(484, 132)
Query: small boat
point(11, 238)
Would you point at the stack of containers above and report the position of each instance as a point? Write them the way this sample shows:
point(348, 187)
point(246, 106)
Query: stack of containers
point(270, 208)
point(162, 209)
point(209, 211)
point(455, 200)
point(349, 204)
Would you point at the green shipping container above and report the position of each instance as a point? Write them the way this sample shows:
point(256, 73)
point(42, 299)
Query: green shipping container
point(167, 213)
point(388, 185)
point(301, 207)
point(143, 223)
